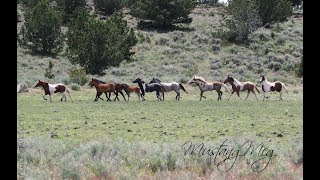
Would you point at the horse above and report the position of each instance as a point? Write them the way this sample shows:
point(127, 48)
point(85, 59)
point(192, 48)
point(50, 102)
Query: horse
point(237, 86)
point(173, 86)
point(128, 89)
point(50, 89)
point(118, 89)
point(144, 87)
point(102, 87)
point(272, 86)
point(207, 86)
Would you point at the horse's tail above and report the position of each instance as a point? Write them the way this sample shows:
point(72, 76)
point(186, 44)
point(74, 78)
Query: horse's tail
point(225, 86)
point(257, 89)
point(285, 88)
point(68, 91)
point(183, 88)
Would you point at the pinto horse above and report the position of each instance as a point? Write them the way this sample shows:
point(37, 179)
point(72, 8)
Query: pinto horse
point(128, 89)
point(144, 87)
point(50, 89)
point(102, 88)
point(173, 86)
point(274, 86)
point(237, 86)
point(207, 86)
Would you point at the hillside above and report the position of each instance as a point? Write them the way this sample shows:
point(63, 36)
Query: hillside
point(191, 50)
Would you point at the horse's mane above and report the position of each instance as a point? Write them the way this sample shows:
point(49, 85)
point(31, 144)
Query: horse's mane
point(200, 78)
point(99, 80)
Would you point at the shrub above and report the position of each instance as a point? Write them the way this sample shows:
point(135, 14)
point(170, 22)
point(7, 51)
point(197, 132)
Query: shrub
point(75, 86)
point(163, 13)
point(78, 76)
point(108, 7)
point(41, 32)
point(49, 73)
point(96, 45)
point(67, 8)
point(274, 10)
point(244, 20)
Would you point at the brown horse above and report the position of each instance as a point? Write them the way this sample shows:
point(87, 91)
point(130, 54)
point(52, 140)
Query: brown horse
point(128, 89)
point(50, 89)
point(102, 88)
point(244, 86)
point(272, 86)
point(208, 86)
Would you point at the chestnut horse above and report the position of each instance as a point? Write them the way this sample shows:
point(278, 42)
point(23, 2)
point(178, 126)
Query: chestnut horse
point(274, 86)
point(128, 89)
point(102, 88)
point(208, 86)
point(244, 86)
point(50, 89)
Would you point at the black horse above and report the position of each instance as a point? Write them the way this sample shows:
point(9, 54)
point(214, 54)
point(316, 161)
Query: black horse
point(145, 87)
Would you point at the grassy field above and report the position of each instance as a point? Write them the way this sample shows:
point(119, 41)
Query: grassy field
point(143, 140)
point(157, 121)
point(59, 137)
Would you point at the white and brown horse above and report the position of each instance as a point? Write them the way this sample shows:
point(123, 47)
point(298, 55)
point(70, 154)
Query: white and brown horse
point(50, 89)
point(272, 86)
point(238, 86)
point(208, 86)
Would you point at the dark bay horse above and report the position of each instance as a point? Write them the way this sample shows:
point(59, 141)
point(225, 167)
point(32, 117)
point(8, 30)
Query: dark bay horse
point(50, 89)
point(145, 87)
point(238, 86)
point(207, 86)
point(129, 89)
point(102, 88)
point(172, 86)
point(118, 89)
point(272, 86)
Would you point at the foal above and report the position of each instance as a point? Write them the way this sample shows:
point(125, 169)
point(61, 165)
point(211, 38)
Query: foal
point(238, 86)
point(128, 89)
point(173, 86)
point(207, 86)
point(274, 86)
point(102, 88)
point(50, 89)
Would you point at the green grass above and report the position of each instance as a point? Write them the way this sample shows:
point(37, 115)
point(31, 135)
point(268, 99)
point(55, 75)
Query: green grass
point(143, 139)
point(167, 121)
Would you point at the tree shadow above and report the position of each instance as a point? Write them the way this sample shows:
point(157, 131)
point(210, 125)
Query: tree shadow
point(151, 26)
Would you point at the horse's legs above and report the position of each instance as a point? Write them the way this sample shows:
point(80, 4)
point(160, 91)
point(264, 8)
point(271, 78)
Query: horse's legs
point(50, 97)
point(247, 95)
point(116, 93)
point(231, 94)
point(280, 95)
point(239, 95)
point(62, 97)
point(162, 95)
point(255, 95)
point(44, 97)
point(122, 95)
point(98, 96)
point(108, 97)
point(70, 97)
point(201, 95)
point(264, 95)
point(218, 94)
point(178, 95)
